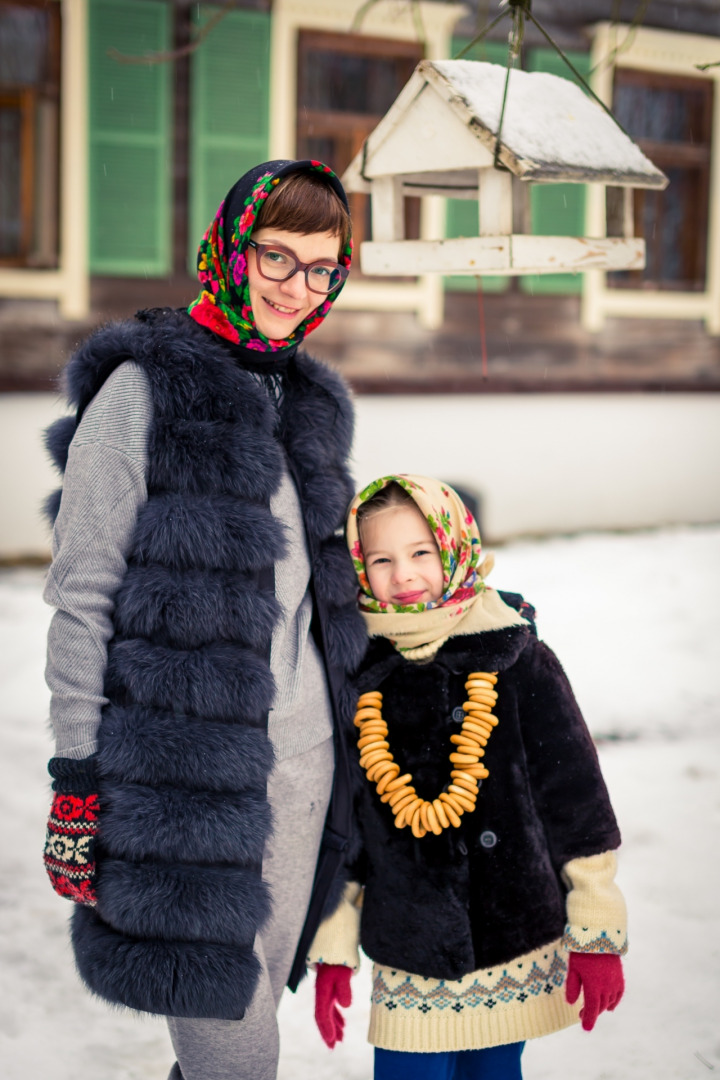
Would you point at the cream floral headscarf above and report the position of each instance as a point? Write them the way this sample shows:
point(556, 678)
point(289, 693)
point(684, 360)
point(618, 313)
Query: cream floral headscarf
point(467, 605)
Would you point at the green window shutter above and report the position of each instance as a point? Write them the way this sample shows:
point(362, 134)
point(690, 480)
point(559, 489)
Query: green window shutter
point(130, 140)
point(229, 111)
point(462, 214)
point(556, 209)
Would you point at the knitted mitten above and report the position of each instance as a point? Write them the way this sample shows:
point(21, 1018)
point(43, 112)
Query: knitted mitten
point(332, 988)
point(600, 976)
point(72, 826)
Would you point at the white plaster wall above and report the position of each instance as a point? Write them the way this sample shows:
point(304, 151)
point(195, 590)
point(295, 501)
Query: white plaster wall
point(554, 463)
point(26, 476)
point(541, 463)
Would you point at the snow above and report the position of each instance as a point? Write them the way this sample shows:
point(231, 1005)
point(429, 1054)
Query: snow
point(634, 619)
point(548, 119)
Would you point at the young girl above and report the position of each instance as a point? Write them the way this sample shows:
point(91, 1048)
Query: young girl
point(482, 876)
point(205, 621)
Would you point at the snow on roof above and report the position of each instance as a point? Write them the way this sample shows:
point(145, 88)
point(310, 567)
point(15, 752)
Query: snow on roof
point(548, 120)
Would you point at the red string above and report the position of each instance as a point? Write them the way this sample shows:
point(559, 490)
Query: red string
point(483, 342)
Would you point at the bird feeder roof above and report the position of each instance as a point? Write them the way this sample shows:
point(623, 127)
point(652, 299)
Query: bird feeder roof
point(445, 122)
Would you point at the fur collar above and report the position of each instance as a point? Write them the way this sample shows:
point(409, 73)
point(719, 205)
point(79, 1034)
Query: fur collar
point(493, 650)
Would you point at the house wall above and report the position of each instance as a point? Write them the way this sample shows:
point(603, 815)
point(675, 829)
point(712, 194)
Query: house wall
point(541, 463)
point(551, 463)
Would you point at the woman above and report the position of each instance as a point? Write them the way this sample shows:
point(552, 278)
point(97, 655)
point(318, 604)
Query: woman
point(204, 625)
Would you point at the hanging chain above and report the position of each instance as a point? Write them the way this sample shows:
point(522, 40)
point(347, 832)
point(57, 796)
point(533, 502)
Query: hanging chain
point(519, 10)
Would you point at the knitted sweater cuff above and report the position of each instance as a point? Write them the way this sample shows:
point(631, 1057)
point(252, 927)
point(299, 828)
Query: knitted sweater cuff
point(74, 777)
point(596, 913)
point(338, 936)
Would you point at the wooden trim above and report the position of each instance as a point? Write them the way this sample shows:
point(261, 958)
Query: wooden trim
point(639, 76)
point(515, 254)
point(28, 100)
point(74, 139)
point(24, 97)
point(29, 384)
point(476, 385)
point(667, 154)
point(464, 385)
point(323, 122)
point(359, 44)
point(21, 101)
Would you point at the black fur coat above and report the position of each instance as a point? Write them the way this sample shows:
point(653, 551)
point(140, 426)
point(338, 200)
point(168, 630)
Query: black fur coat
point(184, 753)
point(490, 890)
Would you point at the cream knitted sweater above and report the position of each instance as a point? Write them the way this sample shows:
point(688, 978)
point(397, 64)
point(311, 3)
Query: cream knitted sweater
point(512, 1002)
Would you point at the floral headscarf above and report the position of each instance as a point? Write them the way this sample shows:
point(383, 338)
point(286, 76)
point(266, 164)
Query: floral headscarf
point(467, 605)
point(456, 535)
point(223, 305)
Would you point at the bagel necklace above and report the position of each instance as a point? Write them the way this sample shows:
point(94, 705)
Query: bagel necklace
point(461, 794)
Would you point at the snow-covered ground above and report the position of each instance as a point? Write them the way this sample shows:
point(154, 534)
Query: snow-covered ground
point(634, 619)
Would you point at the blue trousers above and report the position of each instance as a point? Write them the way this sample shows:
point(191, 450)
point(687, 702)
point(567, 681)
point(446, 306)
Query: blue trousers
point(495, 1063)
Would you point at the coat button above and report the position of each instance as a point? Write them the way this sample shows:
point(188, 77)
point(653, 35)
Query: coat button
point(458, 714)
point(462, 848)
point(488, 839)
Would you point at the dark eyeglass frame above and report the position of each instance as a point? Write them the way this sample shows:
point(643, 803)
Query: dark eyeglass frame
point(305, 267)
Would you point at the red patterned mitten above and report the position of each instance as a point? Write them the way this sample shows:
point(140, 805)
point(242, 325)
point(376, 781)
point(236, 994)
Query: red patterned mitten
point(72, 827)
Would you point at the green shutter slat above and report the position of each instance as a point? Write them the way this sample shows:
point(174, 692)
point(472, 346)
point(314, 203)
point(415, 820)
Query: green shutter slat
point(556, 209)
point(130, 136)
point(462, 214)
point(229, 111)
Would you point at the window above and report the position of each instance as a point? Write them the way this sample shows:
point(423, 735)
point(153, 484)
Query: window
point(670, 117)
point(29, 94)
point(346, 84)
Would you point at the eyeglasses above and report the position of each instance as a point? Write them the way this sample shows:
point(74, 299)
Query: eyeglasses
point(278, 263)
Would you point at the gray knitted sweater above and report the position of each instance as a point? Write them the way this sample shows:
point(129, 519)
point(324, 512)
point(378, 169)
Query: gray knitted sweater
point(104, 488)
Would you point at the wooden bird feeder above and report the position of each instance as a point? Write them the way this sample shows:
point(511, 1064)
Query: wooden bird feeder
point(440, 138)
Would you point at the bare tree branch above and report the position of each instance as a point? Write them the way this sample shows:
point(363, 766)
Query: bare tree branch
point(175, 54)
point(415, 11)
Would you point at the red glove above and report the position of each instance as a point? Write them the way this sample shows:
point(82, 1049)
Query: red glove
point(600, 976)
point(332, 988)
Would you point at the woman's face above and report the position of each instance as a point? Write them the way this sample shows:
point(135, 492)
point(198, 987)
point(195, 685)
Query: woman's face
point(402, 560)
point(280, 306)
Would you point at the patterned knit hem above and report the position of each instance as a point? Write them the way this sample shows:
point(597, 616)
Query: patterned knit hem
point(604, 943)
point(514, 1002)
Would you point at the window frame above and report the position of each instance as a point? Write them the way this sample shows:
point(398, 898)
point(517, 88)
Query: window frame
point(26, 97)
point(666, 154)
point(668, 54)
point(329, 124)
point(424, 295)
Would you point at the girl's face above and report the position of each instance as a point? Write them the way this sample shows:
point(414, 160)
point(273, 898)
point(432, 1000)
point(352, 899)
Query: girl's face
point(280, 306)
point(402, 561)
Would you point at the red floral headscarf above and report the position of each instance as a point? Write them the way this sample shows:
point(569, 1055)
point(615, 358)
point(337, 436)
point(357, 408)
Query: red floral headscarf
point(223, 305)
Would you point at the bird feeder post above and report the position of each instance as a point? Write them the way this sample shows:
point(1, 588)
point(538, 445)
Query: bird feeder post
point(388, 214)
point(495, 212)
point(628, 213)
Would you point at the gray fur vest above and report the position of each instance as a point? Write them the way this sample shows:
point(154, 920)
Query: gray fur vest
point(184, 754)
